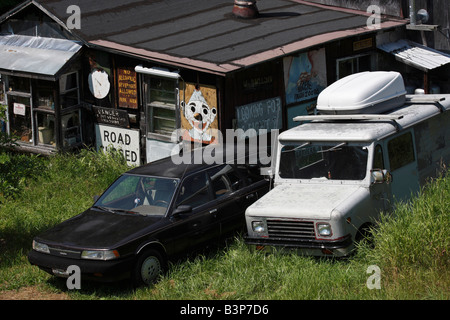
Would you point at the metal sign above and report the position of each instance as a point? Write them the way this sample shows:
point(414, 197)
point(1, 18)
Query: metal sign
point(111, 116)
point(124, 140)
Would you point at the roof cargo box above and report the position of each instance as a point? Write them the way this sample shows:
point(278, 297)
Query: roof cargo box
point(365, 92)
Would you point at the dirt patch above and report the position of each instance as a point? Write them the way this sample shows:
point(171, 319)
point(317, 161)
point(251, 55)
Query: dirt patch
point(32, 293)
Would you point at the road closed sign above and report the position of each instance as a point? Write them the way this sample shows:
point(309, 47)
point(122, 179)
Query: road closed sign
point(124, 140)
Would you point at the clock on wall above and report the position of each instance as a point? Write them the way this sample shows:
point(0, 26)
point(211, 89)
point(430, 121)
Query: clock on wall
point(99, 83)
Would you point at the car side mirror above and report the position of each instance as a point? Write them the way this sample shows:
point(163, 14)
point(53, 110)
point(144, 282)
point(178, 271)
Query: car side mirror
point(182, 209)
point(381, 176)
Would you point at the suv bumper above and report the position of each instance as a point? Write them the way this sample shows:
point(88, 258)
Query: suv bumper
point(339, 247)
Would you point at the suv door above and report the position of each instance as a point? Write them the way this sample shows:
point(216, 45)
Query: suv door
point(403, 165)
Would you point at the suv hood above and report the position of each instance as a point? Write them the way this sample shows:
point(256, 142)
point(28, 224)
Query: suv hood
point(314, 201)
point(97, 229)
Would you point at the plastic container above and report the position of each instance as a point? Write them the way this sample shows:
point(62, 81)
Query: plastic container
point(363, 93)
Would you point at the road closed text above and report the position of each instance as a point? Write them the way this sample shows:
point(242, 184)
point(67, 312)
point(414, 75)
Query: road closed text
point(124, 140)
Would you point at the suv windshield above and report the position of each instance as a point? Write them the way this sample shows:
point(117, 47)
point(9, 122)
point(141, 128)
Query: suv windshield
point(335, 161)
point(138, 194)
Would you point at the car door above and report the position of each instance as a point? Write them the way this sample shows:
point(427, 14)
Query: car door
point(197, 227)
point(234, 191)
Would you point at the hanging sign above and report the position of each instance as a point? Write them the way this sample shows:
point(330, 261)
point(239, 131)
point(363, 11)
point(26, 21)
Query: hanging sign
point(114, 117)
point(19, 109)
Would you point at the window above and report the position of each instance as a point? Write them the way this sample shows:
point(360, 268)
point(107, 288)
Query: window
point(333, 161)
point(20, 118)
point(2, 90)
point(71, 128)
point(161, 106)
point(194, 191)
point(378, 161)
point(46, 128)
point(220, 182)
point(68, 89)
point(401, 151)
point(354, 64)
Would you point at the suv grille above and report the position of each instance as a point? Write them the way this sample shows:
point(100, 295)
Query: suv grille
point(291, 229)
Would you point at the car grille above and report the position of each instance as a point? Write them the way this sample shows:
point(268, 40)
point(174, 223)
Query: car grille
point(65, 253)
point(291, 229)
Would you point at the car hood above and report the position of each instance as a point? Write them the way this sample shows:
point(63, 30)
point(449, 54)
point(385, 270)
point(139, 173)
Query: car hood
point(313, 201)
point(99, 229)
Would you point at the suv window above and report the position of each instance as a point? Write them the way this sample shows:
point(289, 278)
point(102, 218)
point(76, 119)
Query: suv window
point(401, 151)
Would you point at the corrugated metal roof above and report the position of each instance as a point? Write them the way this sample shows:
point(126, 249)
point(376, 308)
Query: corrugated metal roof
point(45, 56)
point(416, 55)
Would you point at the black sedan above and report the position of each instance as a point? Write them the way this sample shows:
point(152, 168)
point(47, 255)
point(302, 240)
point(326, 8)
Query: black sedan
point(149, 215)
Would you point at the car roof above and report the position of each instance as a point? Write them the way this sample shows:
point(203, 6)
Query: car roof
point(192, 162)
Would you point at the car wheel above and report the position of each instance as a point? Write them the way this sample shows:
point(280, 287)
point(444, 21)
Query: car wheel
point(149, 266)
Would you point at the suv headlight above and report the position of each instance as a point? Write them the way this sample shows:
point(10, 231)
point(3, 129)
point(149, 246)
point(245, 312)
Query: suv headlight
point(258, 226)
point(100, 254)
point(40, 247)
point(324, 229)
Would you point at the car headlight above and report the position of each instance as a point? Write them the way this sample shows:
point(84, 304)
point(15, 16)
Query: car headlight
point(324, 229)
point(100, 254)
point(259, 226)
point(40, 247)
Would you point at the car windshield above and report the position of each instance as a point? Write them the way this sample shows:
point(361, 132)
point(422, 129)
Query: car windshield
point(332, 161)
point(138, 194)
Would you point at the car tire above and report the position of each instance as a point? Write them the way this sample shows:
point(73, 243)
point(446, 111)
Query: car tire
point(149, 267)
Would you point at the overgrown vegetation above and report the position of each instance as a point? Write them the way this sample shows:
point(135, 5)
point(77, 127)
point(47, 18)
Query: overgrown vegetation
point(410, 248)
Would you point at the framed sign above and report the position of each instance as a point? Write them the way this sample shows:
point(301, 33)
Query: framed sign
point(199, 114)
point(127, 88)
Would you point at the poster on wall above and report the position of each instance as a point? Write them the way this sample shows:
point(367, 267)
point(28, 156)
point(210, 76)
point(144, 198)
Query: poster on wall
point(305, 75)
point(199, 114)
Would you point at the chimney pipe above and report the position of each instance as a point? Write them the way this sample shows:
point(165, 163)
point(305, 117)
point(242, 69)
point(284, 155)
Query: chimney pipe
point(245, 9)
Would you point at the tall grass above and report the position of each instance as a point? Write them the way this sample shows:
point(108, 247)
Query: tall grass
point(410, 248)
point(62, 186)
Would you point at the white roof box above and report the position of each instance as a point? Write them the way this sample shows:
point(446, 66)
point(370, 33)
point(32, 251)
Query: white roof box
point(365, 92)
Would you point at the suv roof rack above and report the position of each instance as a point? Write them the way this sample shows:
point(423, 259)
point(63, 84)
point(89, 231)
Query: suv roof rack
point(434, 99)
point(360, 117)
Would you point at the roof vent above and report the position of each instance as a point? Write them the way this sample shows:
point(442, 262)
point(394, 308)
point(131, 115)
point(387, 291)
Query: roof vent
point(245, 9)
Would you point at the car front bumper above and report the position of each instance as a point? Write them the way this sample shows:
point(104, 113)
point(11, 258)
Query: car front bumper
point(110, 270)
